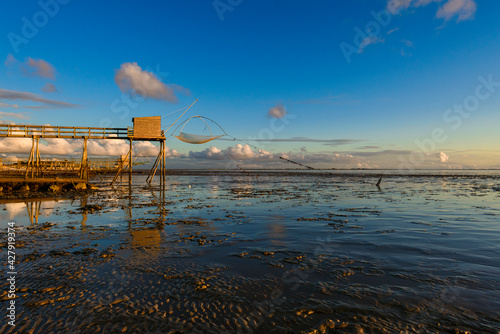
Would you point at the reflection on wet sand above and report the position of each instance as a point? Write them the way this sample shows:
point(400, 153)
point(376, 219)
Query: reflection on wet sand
point(147, 239)
point(276, 230)
point(30, 210)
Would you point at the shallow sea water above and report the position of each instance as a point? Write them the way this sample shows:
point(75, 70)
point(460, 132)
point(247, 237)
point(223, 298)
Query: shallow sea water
point(273, 253)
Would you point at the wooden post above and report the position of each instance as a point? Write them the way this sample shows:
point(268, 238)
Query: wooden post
point(120, 168)
point(83, 165)
point(37, 156)
point(130, 164)
point(153, 169)
point(164, 163)
point(30, 158)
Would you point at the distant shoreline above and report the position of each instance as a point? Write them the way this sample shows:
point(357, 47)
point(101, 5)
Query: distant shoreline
point(488, 173)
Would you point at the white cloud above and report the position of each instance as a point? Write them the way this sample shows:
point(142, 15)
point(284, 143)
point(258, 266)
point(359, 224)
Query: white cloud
point(310, 158)
point(49, 88)
point(462, 9)
point(117, 147)
point(131, 78)
point(12, 115)
point(240, 152)
point(246, 153)
point(9, 158)
point(15, 145)
point(392, 31)
point(396, 6)
point(38, 68)
point(443, 157)
point(9, 105)
point(111, 147)
point(24, 96)
point(237, 152)
point(212, 153)
point(278, 111)
point(15, 209)
point(61, 146)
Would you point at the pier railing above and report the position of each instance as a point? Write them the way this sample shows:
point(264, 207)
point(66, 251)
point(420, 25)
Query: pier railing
point(47, 131)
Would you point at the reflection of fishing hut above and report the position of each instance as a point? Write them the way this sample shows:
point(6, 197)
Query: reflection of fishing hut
point(148, 239)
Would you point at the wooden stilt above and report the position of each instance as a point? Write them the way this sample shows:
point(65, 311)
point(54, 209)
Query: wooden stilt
point(84, 163)
point(130, 159)
point(164, 164)
point(37, 156)
point(157, 163)
point(130, 168)
point(153, 169)
point(161, 164)
point(30, 160)
point(120, 168)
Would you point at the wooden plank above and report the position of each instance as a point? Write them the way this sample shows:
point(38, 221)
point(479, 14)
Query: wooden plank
point(41, 180)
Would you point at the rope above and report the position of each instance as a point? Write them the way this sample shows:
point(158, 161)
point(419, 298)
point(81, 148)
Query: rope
point(241, 140)
point(258, 148)
point(180, 116)
point(172, 114)
point(248, 174)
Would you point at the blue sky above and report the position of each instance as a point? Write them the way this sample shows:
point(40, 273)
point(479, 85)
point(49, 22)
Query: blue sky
point(353, 91)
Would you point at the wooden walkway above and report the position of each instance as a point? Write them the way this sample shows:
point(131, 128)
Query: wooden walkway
point(74, 180)
point(47, 131)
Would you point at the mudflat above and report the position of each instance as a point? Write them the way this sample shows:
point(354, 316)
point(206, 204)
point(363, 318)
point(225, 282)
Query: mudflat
point(260, 253)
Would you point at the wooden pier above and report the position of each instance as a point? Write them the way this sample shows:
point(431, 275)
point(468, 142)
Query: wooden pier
point(38, 171)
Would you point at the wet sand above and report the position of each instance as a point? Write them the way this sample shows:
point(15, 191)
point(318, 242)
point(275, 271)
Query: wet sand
point(266, 253)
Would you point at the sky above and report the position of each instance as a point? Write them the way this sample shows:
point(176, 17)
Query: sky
point(403, 84)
